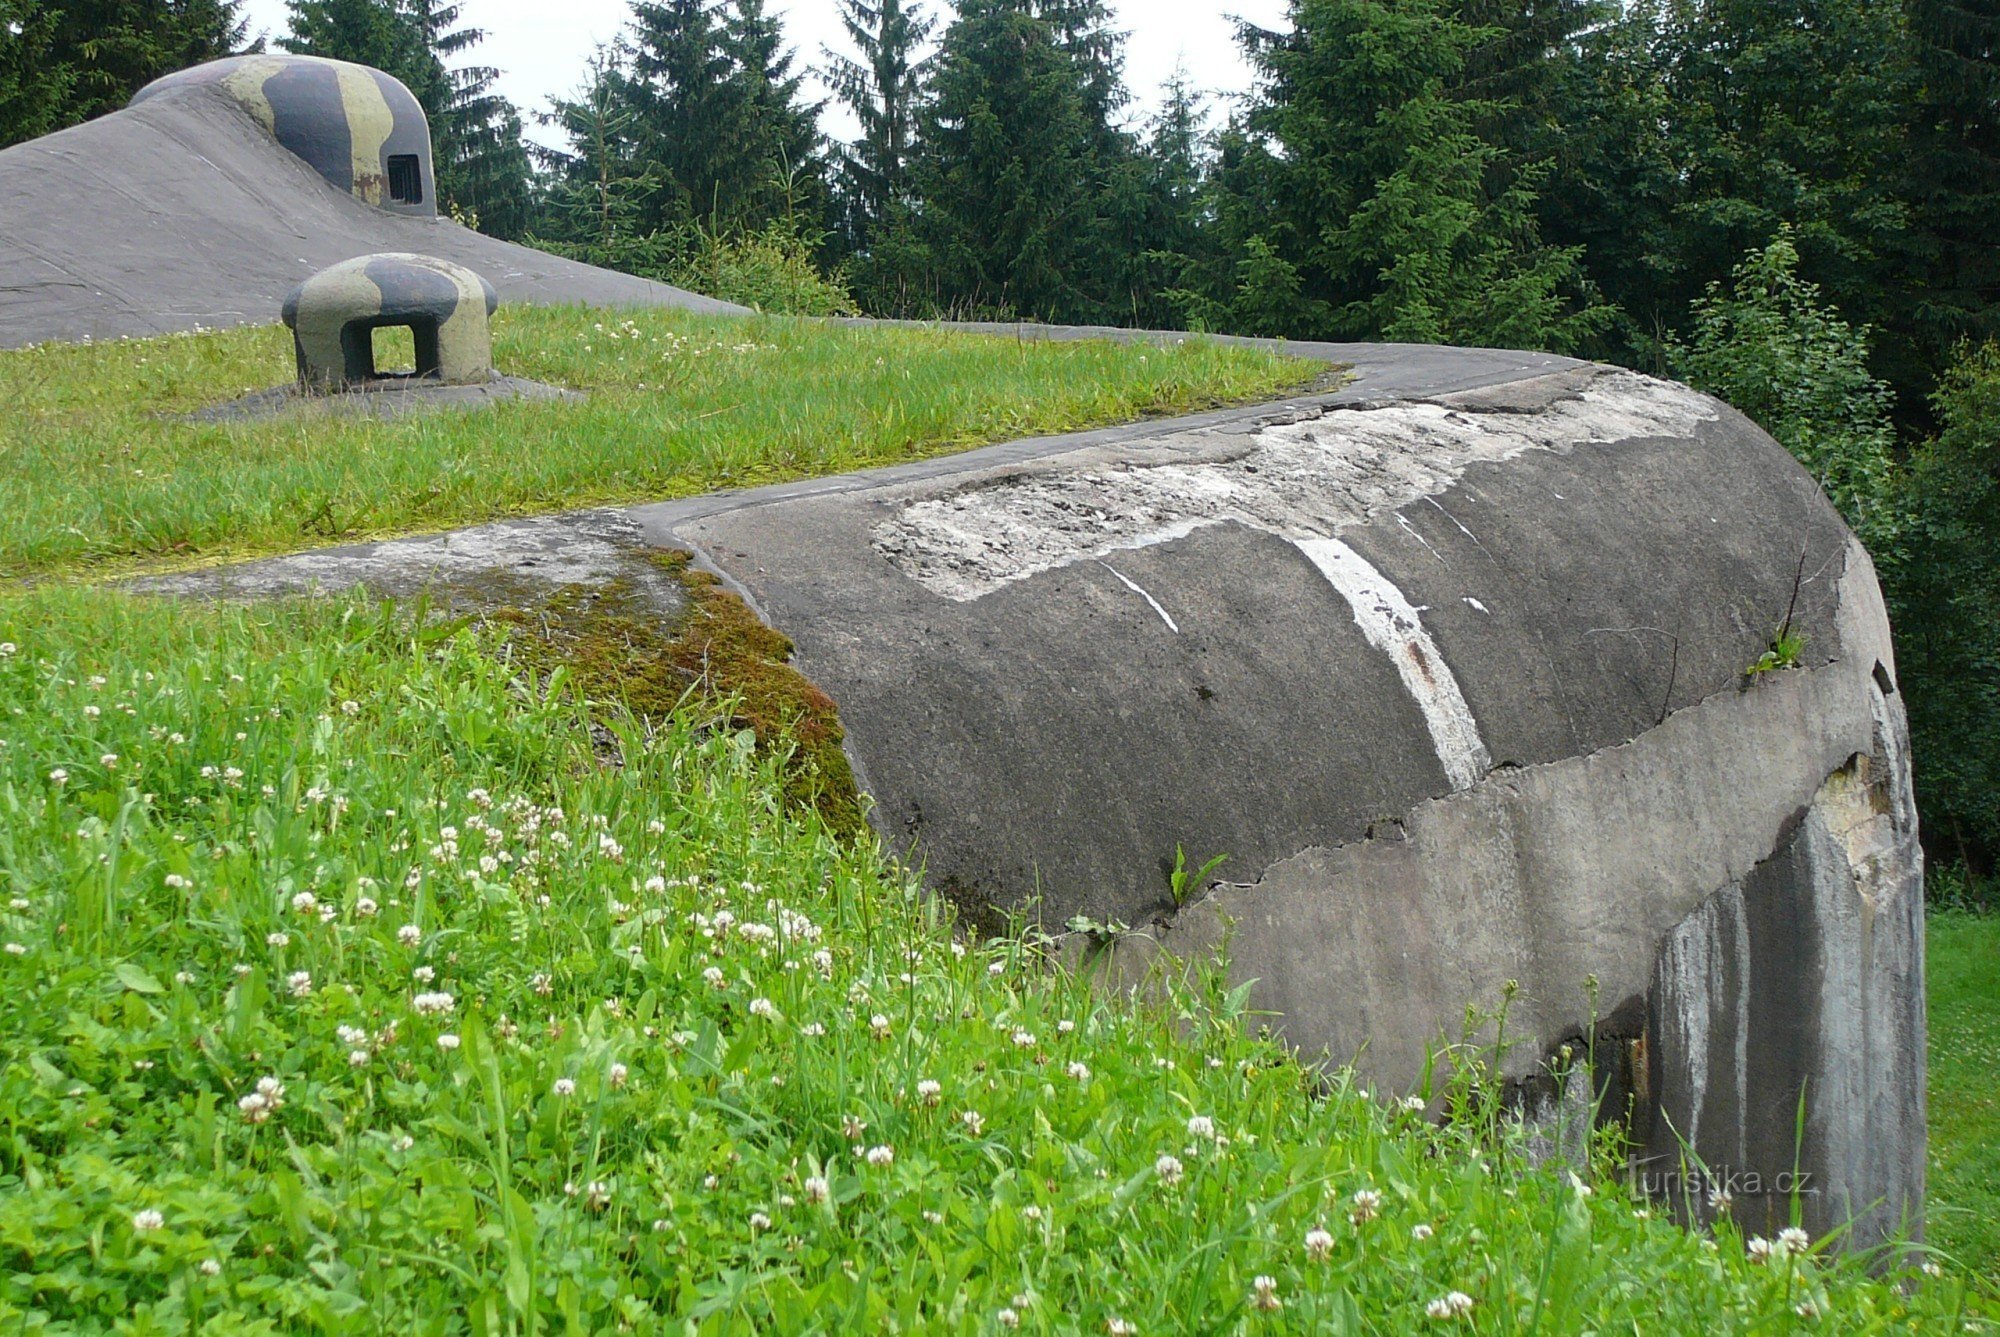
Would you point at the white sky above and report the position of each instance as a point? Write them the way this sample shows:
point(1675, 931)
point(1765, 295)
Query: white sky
point(540, 46)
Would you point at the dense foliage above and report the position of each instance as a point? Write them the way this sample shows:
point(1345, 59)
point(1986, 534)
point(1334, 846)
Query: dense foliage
point(363, 984)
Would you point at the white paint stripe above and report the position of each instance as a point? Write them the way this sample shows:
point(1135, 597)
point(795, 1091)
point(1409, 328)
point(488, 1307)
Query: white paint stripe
point(1392, 626)
point(1171, 624)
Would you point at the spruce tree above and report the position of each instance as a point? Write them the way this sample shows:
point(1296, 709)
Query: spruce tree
point(65, 61)
point(1952, 182)
point(1027, 194)
point(880, 90)
point(1377, 200)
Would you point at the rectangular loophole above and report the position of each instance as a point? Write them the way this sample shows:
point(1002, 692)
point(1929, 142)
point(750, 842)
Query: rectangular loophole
point(395, 350)
point(406, 179)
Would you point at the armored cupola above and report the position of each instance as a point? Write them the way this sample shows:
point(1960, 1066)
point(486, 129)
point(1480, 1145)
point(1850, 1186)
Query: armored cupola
point(361, 129)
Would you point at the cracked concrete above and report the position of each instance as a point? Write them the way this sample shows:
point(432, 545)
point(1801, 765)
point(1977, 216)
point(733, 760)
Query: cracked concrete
point(1448, 662)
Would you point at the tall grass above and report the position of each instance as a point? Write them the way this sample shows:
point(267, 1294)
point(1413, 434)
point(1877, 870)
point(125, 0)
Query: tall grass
point(354, 988)
point(97, 467)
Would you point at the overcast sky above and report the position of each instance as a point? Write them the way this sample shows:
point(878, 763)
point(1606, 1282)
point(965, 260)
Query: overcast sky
point(540, 46)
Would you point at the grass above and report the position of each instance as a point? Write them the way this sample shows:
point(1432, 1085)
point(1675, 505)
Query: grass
point(97, 470)
point(357, 987)
point(1964, 964)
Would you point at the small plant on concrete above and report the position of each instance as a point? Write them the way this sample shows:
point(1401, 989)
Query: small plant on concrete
point(1183, 884)
point(1786, 647)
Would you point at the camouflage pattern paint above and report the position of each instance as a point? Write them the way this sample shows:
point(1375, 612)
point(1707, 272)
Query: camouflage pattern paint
point(345, 121)
point(333, 316)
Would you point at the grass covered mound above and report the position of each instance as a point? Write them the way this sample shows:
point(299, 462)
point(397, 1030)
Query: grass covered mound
point(356, 986)
point(96, 465)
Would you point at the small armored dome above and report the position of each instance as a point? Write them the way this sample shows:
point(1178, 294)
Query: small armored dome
point(359, 128)
point(335, 313)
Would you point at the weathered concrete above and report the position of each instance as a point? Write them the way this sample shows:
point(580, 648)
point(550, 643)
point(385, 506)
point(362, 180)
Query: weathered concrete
point(1450, 662)
point(184, 211)
point(1457, 680)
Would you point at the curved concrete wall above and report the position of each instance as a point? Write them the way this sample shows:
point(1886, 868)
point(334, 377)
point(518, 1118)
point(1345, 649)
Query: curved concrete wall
point(183, 210)
point(1451, 664)
point(1457, 680)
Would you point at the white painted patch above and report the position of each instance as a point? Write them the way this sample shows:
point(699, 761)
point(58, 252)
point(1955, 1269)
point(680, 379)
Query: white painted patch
point(1395, 628)
point(1475, 604)
point(1303, 481)
point(1133, 586)
point(1312, 478)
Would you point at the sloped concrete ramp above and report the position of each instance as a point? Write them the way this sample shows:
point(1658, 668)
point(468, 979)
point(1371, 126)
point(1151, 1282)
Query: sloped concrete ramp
point(180, 211)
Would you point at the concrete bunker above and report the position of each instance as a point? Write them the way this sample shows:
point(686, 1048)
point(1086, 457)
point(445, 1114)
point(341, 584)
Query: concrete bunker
point(359, 128)
point(335, 314)
point(1458, 679)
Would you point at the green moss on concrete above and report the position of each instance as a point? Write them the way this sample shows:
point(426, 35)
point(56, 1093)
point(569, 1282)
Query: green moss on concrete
point(616, 644)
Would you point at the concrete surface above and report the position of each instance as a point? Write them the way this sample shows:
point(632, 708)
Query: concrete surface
point(1450, 663)
point(182, 212)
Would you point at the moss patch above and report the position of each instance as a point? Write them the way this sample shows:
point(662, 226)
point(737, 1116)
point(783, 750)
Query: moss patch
point(615, 644)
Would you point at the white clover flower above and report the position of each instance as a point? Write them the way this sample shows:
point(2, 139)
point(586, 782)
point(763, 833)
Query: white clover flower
point(211, 1267)
point(759, 1221)
point(424, 974)
point(878, 1026)
point(852, 1126)
point(7, 648)
point(177, 882)
point(254, 1106)
point(1024, 1039)
point(1367, 1203)
point(1761, 1250)
point(1119, 1327)
point(715, 978)
point(146, 1220)
point(822, 961)
point(929, 1091)
point(817, 1189)
point(813, 1028)
point(997, 968)
point(1452, 1304)
point(765, 1008)
point(1932, 1268)
point(1201, 1126)
point(619, 1075)
point(1415, 1104)
point(16, 949)
point(447, 1042)
point(1319, 1244)
point(564, 1087)
point(1421, 1231)
point(1007, 1318)
point(973, 1120)
point(1065, 1026)
point(58, 776)
point(1794, 1239)
point(409, 935)
point(1264, 1294)
point(435, 1004)
point(109, 761)
point(1078, 1071)
point(1032, 1212)
point(300, 983)
point(366, 907)
point(304, 903)
point(1169, 1169)
point(881, 1156)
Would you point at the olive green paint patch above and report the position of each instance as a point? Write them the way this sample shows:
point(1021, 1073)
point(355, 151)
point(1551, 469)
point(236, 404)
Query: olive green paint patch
point(614, 645)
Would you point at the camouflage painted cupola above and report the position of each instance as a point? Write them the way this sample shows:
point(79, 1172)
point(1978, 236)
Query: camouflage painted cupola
point(361, 129)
